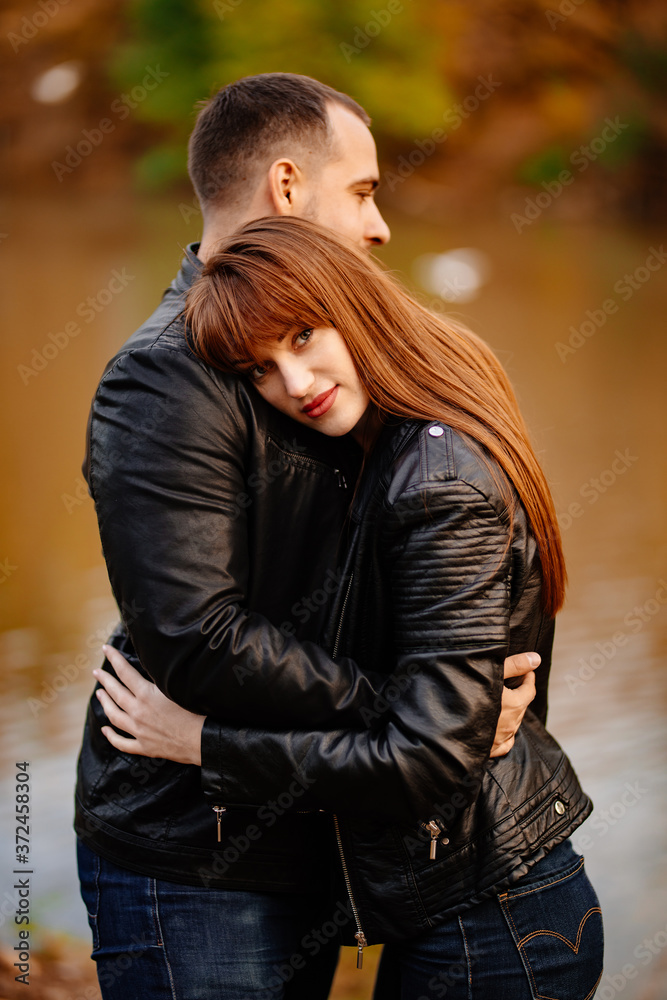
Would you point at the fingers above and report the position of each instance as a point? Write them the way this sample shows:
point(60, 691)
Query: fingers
point(521, 663)
point(503, 748)
point(130, 677)
point(120, 694)
point(523, 694)
point(528, 685)
point(114, 714)
point(122, 742)
point(526, 691)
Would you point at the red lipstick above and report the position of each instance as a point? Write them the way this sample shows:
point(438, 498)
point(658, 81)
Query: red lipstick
point(321, 403)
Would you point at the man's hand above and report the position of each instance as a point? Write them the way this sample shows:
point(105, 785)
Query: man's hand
point(515, 700)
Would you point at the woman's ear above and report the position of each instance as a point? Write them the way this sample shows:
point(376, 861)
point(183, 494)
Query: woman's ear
point(285, 182)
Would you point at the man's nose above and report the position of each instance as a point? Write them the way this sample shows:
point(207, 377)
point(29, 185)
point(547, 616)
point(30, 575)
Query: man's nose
point(377, 230)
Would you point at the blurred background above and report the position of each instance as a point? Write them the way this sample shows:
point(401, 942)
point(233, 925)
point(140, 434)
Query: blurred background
point(523, 146)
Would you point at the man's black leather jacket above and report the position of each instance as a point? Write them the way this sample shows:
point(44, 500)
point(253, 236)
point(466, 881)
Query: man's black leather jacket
point(438, 591)
point(219, 522)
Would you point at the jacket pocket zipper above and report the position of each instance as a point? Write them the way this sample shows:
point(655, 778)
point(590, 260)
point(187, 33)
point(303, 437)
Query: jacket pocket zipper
point(435, 830)
point(219, 810)
point(360, 936)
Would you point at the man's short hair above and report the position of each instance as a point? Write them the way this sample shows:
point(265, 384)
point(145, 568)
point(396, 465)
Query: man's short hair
point(250, 123)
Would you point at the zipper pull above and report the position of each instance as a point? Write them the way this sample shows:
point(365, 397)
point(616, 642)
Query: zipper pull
point(362, 942)
point(219, 810)
point(435, 832)
point(342, 482)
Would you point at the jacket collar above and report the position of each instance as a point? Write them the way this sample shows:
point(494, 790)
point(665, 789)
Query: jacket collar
point(190, 268)
point(376, 470)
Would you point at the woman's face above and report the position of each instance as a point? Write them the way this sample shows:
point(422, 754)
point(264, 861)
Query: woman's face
point(310, 376)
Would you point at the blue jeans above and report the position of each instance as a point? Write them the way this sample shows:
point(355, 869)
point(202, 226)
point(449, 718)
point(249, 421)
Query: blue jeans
point(158, 940)
point(541, 938)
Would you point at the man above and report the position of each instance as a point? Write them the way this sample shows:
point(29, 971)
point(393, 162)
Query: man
point(193, 477)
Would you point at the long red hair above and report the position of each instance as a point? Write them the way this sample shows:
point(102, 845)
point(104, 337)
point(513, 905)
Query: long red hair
point(278, 272)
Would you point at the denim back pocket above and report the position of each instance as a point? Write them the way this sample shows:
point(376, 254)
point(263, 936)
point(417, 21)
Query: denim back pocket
point(556, 923)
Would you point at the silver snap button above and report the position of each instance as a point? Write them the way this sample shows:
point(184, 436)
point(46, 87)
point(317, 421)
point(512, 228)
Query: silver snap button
point(436, 432)
point(559, 807)
point(444, 840)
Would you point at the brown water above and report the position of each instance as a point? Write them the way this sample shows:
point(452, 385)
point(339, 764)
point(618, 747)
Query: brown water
point(597, 414)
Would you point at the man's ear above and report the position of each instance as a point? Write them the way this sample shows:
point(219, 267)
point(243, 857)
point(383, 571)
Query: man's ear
point(285, 182)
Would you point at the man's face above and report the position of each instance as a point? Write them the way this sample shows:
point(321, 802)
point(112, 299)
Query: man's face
point(341, 195)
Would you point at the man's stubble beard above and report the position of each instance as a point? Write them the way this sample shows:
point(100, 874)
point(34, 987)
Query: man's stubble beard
point(311, 210)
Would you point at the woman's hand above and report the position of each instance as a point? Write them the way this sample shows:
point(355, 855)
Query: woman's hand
point(159, 727)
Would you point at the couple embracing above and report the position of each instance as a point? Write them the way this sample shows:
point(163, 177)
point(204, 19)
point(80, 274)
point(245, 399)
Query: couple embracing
point(359, 773)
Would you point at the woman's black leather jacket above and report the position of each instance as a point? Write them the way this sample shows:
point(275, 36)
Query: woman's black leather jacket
point(440, 585)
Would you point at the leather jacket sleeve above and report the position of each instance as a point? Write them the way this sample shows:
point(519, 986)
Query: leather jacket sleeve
point(449, 566)
point(165, 465)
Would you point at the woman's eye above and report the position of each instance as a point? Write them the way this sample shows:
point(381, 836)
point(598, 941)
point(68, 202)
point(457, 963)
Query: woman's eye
point(257, 372)
point(304, 336)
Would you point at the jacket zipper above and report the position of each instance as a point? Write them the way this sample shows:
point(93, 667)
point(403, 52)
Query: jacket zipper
point(342, 482)
point(342, 616)
point(219, 810)
point(436, 831)
point(360, 936)
point(432, 827)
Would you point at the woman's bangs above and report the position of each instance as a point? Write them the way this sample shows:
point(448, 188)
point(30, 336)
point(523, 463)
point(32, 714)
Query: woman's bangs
point(265, 316)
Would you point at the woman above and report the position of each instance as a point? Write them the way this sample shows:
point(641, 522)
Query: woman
point(454, 559)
